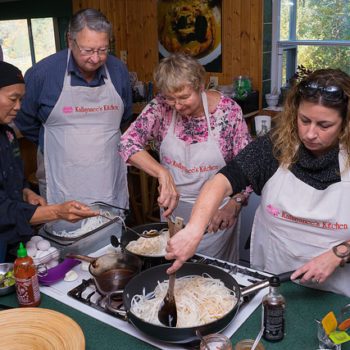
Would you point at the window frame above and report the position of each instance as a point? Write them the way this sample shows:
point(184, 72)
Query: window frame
point(290, 46)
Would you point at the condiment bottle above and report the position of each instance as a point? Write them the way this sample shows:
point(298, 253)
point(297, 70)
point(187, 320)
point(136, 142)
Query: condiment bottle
point(274, 306)
point(27, 284)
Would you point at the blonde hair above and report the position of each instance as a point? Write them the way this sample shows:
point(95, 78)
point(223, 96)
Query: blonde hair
point(284, 135)
point(177, 71)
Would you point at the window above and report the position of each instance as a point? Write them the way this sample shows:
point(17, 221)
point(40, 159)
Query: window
point(27, 41)
point(312, 33)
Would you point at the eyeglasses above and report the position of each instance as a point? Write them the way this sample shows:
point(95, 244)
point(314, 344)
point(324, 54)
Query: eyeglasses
point(172, 101)
point(330, 93)
point(89, 52)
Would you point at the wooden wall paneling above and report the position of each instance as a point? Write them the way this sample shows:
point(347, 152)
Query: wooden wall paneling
point(135, 30)
point(245, 38)
point(142, 37)
point(231, 40)
point(256, 45)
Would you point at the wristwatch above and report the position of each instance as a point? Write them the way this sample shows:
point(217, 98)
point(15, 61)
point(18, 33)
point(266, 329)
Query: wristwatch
point(342, 251)
point(238, 199)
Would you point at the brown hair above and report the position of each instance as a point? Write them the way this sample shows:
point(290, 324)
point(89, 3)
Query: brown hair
point(284, 135)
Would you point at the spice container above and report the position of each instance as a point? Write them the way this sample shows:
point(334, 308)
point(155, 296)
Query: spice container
point(27, 284)
point(215, 342)
point(246, 344)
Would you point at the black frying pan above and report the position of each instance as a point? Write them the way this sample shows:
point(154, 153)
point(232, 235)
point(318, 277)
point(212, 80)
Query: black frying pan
point(147, 281)
point(128, 236)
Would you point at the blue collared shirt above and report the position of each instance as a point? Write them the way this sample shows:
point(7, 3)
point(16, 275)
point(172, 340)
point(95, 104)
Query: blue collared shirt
point(44, 83)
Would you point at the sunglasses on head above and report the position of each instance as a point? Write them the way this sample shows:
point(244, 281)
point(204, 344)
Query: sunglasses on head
point(330, 93)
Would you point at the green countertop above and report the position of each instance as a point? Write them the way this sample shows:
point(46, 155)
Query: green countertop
point(304, 305)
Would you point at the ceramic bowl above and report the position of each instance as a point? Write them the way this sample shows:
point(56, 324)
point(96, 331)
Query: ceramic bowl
point(5, 267)
point(271, 100)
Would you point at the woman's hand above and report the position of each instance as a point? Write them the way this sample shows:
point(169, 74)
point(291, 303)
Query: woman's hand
point(31, 197)
point(182, 246)
point(168, 195)
point(74, 211)
point(318, 269)
point(225, 217)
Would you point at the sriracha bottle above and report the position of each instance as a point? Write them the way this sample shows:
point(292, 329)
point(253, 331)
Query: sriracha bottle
point(27, 284)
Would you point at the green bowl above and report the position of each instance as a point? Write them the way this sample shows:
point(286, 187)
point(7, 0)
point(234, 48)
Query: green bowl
point(5, 267)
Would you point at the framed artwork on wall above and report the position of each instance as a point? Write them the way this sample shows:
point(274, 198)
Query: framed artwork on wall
point(193, 27)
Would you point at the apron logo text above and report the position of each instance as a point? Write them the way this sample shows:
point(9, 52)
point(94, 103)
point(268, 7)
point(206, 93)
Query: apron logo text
point(197, 169)
point(81, 109)
point(334, 226)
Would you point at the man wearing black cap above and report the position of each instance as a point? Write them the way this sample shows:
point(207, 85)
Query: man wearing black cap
point(20, 207)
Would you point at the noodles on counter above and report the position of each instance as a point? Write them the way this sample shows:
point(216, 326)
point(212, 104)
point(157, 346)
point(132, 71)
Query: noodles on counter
point(199, 300)
point(154, 246)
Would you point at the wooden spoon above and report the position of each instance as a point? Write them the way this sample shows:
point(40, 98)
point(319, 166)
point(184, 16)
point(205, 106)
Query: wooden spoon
point(167, 313)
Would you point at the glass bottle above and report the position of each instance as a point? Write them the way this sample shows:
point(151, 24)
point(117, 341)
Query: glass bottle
point(264, 129)
point(273, 305)
point(27, 284)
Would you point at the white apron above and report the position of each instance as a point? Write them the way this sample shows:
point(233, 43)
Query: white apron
point(296, 222)
point(80, 146)
point(191, 166)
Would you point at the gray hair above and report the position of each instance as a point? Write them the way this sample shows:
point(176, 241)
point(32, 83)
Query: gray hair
point(178, 70)
point(90, 18)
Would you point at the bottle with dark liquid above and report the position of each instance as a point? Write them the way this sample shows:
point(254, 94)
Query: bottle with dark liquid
point(274, 306)
point(27, 284)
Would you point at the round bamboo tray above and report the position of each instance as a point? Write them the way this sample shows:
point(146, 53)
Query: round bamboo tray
point(38, 328)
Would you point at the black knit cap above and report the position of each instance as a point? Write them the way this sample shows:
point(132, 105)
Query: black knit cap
point(9, 75)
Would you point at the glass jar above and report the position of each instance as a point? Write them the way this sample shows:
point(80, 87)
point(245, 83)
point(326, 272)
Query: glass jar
point(215, 342)
point(242, 86)
point(246, 344)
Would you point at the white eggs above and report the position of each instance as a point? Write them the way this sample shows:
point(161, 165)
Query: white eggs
point(43, 245)
point(70, 276)
point(31, 251)
point(36, 239)
point(52, 264)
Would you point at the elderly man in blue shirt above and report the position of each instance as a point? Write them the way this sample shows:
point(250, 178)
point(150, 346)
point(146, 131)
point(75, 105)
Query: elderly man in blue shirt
point(74, 105)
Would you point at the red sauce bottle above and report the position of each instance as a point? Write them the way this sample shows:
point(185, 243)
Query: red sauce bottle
point(27, 284)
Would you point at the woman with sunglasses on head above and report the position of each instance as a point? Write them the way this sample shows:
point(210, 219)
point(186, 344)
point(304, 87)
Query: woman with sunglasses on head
point(195, 132)
point(20, 207)
point(301, 169)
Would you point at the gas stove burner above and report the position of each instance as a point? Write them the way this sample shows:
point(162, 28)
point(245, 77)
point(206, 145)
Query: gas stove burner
point(87, 293)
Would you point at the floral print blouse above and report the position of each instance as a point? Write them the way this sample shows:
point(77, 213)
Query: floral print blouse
point(226, 121)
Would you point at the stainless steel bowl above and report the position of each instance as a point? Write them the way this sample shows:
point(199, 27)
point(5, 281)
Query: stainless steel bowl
point(5, 267)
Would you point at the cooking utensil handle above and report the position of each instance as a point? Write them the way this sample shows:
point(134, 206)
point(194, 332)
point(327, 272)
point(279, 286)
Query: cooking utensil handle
point(285, 277)
point(89, 259)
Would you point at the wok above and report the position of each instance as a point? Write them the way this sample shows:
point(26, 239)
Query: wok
point(146, 282)
point(111, 272)
point(128, 236)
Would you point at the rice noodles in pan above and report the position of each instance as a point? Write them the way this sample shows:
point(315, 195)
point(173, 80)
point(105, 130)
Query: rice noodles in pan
point(199, 300)
point(154, 246)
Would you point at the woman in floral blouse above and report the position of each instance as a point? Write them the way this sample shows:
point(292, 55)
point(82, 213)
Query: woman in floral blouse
point(196, 133)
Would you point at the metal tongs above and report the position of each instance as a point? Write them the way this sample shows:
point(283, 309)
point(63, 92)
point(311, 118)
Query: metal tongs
point(145, 234)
